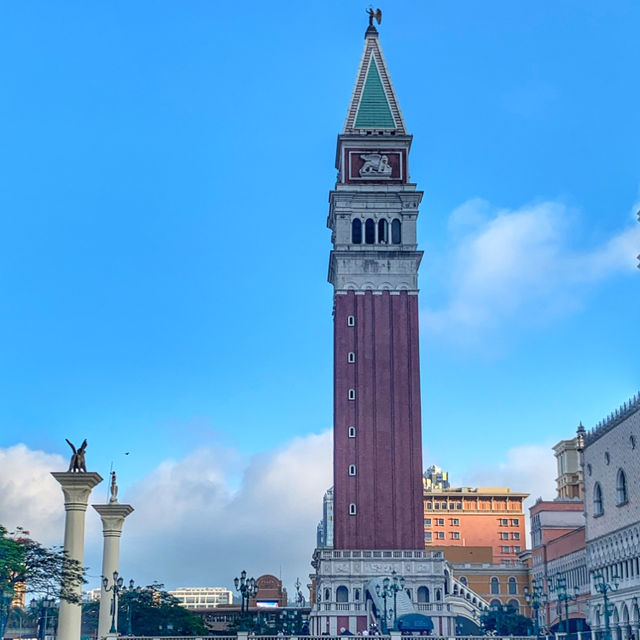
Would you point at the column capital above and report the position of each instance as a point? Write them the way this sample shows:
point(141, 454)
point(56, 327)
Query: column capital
point(112, 516)
point(76, 488)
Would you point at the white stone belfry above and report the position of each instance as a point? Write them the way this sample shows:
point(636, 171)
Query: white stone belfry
point(112, 516)
point(76, 488)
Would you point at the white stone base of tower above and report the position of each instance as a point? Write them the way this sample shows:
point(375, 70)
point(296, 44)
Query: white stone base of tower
point(343, 579)
point(76, 488)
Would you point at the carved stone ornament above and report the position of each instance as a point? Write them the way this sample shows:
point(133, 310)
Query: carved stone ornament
point(342, 567)
point(375, 165)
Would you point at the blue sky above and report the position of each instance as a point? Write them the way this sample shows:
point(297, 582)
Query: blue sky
point(164, 171)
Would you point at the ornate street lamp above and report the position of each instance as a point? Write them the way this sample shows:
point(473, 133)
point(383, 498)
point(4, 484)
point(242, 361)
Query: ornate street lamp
point(558, 584)
point(116, 587)
point(5, 601)
point(390, 587)
point(248, 589)
point(565, 597)
point(535, 599)
point(384, 593)
point(42, 609)
point(397, 584)
point(604, 588)
point(130, 591)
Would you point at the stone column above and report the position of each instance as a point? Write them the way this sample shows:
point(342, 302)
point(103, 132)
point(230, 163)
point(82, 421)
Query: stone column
point(112, 515)
point(76, 488)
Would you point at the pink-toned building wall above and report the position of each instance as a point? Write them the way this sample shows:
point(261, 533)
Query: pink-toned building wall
point(387, 448)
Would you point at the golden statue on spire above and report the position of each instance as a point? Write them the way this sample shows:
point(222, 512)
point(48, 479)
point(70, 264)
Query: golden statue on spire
point(377, 14)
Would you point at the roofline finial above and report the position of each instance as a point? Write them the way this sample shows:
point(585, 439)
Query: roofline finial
point(373, 15)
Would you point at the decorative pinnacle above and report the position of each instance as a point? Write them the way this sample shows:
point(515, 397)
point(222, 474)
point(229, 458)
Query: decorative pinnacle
point(373, 15)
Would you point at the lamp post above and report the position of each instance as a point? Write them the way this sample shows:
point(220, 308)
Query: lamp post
point(116, 587)
point(397, 584)
point(558, 584)
point(603, 588)
point(41, 609)
point(535, 599)
point(384, 593)
point(248, 589)
point(499, 613)
point(130, 591)
point(564, 596)
point(5, 601)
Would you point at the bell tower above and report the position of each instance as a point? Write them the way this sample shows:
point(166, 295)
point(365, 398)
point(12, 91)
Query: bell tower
point(377, 500)
point(373, 268)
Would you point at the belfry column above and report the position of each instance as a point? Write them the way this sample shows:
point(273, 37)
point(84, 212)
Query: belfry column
point(112, 516)
point(76, 487)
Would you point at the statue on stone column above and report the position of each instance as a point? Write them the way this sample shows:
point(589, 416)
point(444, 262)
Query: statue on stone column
point(114, 489)
point(78, 463)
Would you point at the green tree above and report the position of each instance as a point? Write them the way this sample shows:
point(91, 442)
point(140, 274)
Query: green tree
point(504, 620)
point(26, 564)
point(151, 611)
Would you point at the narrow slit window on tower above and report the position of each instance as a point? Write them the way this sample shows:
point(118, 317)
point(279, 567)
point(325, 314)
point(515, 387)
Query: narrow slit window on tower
point(352, 469)
point(351, 321)
point(356, 231)
point(351, 357)
point(352, 432)
point(383, 231)
point(396, 231)
point(352, 509)
point(369, 231)
point(352, 394)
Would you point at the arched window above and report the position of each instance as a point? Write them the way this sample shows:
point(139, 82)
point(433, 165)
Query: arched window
point(383, 231)
point(514, 604)
point(621, 488)
point(396, 232)
point(423, 594)
point(369, 231)
point(356, 231)
point(513, 586)
point(598, 508)
point(495, 604)
point(327, 595)
point(438, 594)
point(463, 579)
point(342, 594)
point(356, 594)
point(495, 585)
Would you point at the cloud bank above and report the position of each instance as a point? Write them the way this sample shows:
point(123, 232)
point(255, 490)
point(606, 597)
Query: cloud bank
point(521, 262)
point(528, 469)
point(192, 526)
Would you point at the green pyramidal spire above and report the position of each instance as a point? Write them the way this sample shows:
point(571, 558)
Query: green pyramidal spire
point(374, 111)
point(374, 105)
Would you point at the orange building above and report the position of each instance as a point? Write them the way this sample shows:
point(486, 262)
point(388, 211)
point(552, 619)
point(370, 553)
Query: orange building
point(474, 517)
point(497, 583)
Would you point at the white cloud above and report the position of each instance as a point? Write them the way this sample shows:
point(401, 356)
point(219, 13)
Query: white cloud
point(508, 262)
point(29, 495)
point(527, 469)
point(191, 528)
point(191, 525)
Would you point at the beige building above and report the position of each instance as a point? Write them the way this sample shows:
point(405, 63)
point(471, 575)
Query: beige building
point(202, 597)
point(569, 480)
